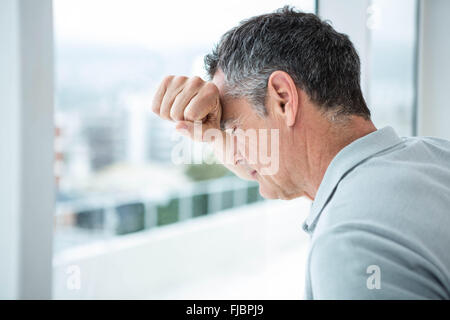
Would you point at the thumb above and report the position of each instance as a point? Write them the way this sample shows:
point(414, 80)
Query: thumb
point(197, 130)
point(190, 129)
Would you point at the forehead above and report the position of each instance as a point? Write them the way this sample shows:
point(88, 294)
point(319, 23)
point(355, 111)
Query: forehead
point(234, 110)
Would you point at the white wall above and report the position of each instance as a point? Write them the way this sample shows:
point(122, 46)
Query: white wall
point(9, 149)
point(26, 148)
point(434, 69)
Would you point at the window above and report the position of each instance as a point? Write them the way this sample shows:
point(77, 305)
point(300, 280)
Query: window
point(117, 185)
point(392, 71)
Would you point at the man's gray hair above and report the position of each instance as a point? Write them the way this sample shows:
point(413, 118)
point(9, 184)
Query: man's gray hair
point(321, 61)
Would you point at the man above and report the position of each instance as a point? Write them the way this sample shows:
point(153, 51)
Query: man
point(381, 204)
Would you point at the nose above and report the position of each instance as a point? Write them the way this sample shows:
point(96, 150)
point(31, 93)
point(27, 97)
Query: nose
point(238, 158)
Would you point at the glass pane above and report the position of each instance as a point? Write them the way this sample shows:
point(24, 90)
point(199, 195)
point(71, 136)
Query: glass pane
point(392, 63)
point(118, 187)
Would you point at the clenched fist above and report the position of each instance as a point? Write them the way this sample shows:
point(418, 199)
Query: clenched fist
point(188, 101)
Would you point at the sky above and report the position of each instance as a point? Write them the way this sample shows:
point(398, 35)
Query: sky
point(152, 23)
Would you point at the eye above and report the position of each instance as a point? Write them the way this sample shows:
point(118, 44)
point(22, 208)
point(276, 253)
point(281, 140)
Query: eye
point(231, 130)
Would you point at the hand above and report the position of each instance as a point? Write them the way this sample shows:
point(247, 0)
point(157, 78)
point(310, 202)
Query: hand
point(188, 101)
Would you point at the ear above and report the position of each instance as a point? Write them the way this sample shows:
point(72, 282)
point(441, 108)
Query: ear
point(284, 95)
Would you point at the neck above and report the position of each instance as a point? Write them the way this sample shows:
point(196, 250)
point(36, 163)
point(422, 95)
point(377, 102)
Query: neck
point(321, 141)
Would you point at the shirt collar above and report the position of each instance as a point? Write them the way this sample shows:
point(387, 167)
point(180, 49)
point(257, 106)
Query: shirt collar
point(346, 159)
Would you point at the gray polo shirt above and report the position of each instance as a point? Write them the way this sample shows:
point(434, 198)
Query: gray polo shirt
point(380, 223)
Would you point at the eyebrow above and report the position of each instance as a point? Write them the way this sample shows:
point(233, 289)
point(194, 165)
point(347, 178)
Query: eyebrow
point(228, 123)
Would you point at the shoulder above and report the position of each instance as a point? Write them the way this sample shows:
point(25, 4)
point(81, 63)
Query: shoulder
point(386, 214)
point(358, 261)
point(394, 189)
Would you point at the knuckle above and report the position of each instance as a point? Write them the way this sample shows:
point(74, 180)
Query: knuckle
point(155, 107)
point(179, 80)
point(190, 113)
point(165, 115)
point(195, 82)
point(175, 115)
point(167, 80)
point(197, 79)
point(210, 89)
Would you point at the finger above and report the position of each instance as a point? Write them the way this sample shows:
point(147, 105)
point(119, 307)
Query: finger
point(175, 87)
point(180, 104)
point(157, 99)
point(203, 103)
point(182, 100)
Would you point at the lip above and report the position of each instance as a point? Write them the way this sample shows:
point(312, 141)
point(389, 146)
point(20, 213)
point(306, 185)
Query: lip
point(254, 173)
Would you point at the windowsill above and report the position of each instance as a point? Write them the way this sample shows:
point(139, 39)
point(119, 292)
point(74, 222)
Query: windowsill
point(256, 251)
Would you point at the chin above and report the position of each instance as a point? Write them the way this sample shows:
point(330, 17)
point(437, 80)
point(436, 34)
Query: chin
point(267, 193)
